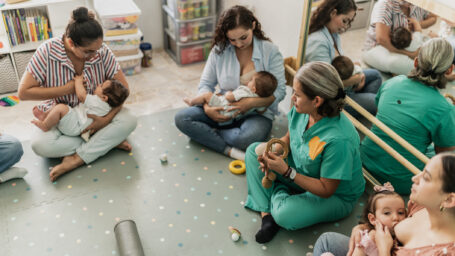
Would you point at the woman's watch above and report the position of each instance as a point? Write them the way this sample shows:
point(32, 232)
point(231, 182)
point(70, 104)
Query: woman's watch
point(292, 174)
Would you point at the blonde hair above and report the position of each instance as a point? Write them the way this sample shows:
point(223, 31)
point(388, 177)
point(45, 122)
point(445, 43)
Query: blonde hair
point(434, 59)
point(321, 79)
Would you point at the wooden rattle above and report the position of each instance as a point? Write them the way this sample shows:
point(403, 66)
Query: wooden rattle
point(269, 177)
point(452, 98)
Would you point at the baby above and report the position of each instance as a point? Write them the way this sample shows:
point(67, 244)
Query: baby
point(263, 84)
point(346, 68)
point(72, 121)
point(384, 206)
point(403, 38)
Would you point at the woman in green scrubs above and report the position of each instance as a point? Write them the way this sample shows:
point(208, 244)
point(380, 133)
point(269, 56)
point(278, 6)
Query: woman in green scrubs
point(322, 178)
point(413, 107)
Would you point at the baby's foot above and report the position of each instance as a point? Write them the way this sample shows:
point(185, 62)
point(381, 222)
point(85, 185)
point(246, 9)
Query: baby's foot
point(41, 125)
point(188, 101)
point(39, 114)
point(125, 146)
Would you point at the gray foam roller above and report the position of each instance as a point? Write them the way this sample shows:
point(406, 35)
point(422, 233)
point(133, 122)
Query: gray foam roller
point(128, 241)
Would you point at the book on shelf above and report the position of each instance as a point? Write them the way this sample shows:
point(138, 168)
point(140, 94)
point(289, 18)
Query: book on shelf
point(26, 25)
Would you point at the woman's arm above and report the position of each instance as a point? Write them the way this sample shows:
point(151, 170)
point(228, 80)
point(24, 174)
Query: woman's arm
point(429, 21)
point(383, 39)
point(355, 79)
point(30, 89)
point(322, 187)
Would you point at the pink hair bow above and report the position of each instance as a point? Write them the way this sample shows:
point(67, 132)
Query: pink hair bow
point(386, 187)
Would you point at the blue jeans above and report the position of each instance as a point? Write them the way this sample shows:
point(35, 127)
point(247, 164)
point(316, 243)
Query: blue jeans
point(336, 243)
point(367, 96)
point(240, 134)
point(10, 152)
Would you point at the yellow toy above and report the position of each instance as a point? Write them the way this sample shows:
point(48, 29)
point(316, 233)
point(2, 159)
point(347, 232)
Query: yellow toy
point(237, 167)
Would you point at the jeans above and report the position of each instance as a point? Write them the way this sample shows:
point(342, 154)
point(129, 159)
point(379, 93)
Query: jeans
point(367, 96)
point(240, 134)
point(336, 243)
point(10, 152)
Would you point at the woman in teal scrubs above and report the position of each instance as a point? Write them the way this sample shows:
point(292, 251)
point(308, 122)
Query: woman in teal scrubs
point(413, 107)
point(322, 178)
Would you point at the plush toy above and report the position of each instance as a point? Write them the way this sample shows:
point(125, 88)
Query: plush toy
point(270, 176)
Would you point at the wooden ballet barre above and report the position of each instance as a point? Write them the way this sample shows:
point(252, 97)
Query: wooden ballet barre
point(419, 155)
point(392, 152)
point(367, 175)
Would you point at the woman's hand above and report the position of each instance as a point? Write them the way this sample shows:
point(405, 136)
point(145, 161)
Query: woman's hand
point(274, 162)
point(361, 84)
point(214, 114)
point(99, 122)
point(242, 105)
point(383, 239)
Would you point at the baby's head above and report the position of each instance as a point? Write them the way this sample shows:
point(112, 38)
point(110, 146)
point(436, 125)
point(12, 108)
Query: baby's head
point(401, 38)
point(386, 206)
point(113, 92)
point(263, 84)
point(344, 66)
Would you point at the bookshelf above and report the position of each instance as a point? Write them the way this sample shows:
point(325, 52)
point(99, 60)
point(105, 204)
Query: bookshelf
point(16, 39)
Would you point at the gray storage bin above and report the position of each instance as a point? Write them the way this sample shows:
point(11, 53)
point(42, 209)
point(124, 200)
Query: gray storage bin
point(22, 59)
point(363, 14)
point(8, 80)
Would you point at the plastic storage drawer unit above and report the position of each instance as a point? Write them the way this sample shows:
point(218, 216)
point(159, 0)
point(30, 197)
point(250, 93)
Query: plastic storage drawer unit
point(191, 9)
point(118, 17)
point(131, 64)
point(124, 44)
point(190, 31)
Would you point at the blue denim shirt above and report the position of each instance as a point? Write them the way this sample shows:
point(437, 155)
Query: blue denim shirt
point(224, 70)
point(320, 46)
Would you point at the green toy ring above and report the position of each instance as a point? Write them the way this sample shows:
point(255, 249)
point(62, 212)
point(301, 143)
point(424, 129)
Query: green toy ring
point(234, 167)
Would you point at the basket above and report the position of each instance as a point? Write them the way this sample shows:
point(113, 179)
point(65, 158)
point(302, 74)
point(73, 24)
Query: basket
point(8, 78)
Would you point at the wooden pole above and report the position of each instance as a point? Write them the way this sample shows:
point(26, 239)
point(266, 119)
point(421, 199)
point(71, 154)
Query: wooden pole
point(304, 32)
point(388, 131)
point(392, 152)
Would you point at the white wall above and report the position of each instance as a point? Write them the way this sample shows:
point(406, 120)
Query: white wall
point(150, 22)
point(280, 20)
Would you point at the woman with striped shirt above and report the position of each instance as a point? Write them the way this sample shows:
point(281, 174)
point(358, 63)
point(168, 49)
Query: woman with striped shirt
point(50, 76)
point(387, 16)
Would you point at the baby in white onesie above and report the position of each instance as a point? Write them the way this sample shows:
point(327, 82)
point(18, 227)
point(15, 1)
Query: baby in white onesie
point(263, 84)
point(72, 121)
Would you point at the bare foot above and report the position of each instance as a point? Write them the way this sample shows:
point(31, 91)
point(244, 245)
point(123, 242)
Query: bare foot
point(188, 101)
point(68, 164)
point(125, 146)
point(40, 125)
point(40, 115)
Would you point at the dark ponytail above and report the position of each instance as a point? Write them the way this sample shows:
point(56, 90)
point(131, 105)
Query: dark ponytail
point(83, 29)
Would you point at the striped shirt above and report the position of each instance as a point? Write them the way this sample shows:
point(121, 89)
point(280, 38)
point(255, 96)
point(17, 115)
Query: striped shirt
point(388, 12)
point(51, 67)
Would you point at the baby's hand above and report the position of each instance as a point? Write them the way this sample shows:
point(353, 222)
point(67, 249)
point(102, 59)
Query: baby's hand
point(79, 78)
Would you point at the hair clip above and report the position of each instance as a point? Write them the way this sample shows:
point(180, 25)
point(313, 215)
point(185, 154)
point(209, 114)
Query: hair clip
point(386, 187)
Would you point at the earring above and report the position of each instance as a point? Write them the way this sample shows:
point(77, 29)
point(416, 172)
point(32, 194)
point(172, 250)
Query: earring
point(441, 208)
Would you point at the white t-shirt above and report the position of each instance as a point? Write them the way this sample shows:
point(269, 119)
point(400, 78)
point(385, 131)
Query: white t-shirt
point(93, 105)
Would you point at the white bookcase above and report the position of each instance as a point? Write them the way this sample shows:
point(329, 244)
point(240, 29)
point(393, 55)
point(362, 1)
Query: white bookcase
point(58, 13)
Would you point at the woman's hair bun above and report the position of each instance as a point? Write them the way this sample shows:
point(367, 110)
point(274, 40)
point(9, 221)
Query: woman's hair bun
point(82, 14)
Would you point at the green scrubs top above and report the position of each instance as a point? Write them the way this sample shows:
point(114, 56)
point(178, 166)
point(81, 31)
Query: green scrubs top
point(420, 115)
point(329, 149)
